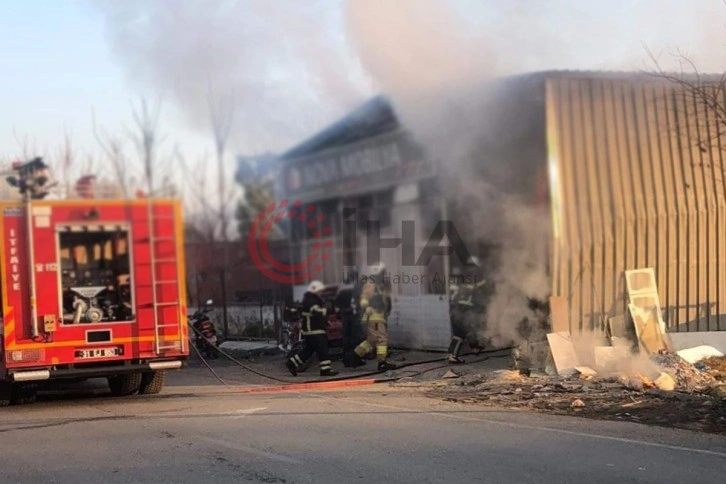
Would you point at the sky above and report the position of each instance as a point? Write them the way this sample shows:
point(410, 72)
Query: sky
point(288, 67)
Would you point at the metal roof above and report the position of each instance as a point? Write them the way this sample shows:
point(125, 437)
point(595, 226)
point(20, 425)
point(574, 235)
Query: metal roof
point(377, 116)
point(374, 117)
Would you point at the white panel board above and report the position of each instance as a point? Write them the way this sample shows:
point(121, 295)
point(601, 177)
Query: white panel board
point(420, 322)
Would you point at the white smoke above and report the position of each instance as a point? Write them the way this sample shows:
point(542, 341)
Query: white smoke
point(435, 70)
point(284, 66)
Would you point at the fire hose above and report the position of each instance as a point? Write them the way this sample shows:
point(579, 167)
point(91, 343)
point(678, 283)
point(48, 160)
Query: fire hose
point(339, 378)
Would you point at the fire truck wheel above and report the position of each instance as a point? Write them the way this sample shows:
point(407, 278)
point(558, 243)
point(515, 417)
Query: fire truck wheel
point(152, 382)
point(24, 393)
point(124, 385)
point(5, 393)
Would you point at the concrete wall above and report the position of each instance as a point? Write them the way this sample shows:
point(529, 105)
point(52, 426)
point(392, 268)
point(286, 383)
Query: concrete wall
point(682, 341)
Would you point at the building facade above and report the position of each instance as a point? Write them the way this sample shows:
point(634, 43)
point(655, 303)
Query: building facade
point(614, 158)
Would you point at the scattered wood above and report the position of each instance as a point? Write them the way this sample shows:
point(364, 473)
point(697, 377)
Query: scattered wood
point(665, 382)
point(563, 352)
point(559, 315)
point(585, 372)
point(451, 374)
point(648, 320)
point(647, 328)
point(617, 328)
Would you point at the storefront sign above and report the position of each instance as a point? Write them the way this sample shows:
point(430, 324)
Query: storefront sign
point(381, 162)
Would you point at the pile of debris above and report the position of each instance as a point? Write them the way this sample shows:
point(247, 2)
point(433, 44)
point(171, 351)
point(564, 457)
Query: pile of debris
point(636, 348)
point(631, 371)
point(583, 394)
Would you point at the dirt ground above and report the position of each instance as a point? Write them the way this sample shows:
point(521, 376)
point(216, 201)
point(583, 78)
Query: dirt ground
point(600, 398)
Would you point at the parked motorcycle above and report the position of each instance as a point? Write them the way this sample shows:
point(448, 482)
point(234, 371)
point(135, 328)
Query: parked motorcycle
point(205, 333)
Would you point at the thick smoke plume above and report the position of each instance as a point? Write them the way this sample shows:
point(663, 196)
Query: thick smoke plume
point(436, 72)
point(284, 66)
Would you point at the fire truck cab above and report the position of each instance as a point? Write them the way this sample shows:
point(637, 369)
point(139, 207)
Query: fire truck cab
point(90, 288)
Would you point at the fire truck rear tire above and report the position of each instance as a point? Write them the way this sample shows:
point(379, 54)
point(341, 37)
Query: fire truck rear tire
point(24, 393)
point(6, 393)
point(152, 382)
point(124, 385)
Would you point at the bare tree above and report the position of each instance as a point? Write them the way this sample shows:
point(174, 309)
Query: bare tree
point(699, 101)
point(146, 138)
point(707, 93)
point(64, 160)
point(202, 219)
point(27, 150)
point(222, 115)
point(113, 147)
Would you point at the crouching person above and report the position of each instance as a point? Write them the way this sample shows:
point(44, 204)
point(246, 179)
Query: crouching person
point(314, 335)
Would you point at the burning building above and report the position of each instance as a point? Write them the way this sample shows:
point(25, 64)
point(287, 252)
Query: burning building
point(575, 177)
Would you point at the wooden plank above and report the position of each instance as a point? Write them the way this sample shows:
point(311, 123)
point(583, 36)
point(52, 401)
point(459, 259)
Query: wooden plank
point(563, 352)
point(616, 327)
point(559, 315)
point(641, 281)
point(647, 328)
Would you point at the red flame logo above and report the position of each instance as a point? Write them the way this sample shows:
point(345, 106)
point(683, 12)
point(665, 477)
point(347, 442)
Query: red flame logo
point(272, 268)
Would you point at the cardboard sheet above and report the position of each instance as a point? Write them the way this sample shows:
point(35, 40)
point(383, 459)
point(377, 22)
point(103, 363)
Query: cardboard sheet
point(563, 353)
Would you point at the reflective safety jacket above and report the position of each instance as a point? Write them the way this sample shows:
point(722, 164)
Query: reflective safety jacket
point(378, 298)
point(474, 296)
point(314, 314)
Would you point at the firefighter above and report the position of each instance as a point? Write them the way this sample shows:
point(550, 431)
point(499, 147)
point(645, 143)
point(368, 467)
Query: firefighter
point(468, 307)
point(206, 335)
point(346, 305)
point(314, 315)
point(375, 306)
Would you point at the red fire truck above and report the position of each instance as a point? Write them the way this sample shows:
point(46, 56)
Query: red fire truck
point(90, 288)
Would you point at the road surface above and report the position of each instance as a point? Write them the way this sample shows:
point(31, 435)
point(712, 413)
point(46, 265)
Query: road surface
point(200, 432)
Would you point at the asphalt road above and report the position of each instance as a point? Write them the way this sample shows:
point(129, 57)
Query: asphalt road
point(200, 432)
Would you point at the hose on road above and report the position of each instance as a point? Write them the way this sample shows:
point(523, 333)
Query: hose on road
point(340, 378)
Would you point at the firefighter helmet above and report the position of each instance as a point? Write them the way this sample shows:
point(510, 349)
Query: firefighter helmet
point(377, 269)
point(315, 287)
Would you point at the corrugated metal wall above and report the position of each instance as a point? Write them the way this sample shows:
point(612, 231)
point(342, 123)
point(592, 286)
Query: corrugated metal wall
point(634, 190)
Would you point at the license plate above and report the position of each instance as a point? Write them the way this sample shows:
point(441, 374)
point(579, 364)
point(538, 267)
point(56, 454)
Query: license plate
point(98, 353)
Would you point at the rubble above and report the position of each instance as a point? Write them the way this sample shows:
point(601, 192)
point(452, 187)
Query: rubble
point(563, 352)
point(509, 375)
point(581, 375)
point(687, 377)
point(635, 398)
point(585, 372)
point(665, 382)
point(451, 374)
point(714, 366)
